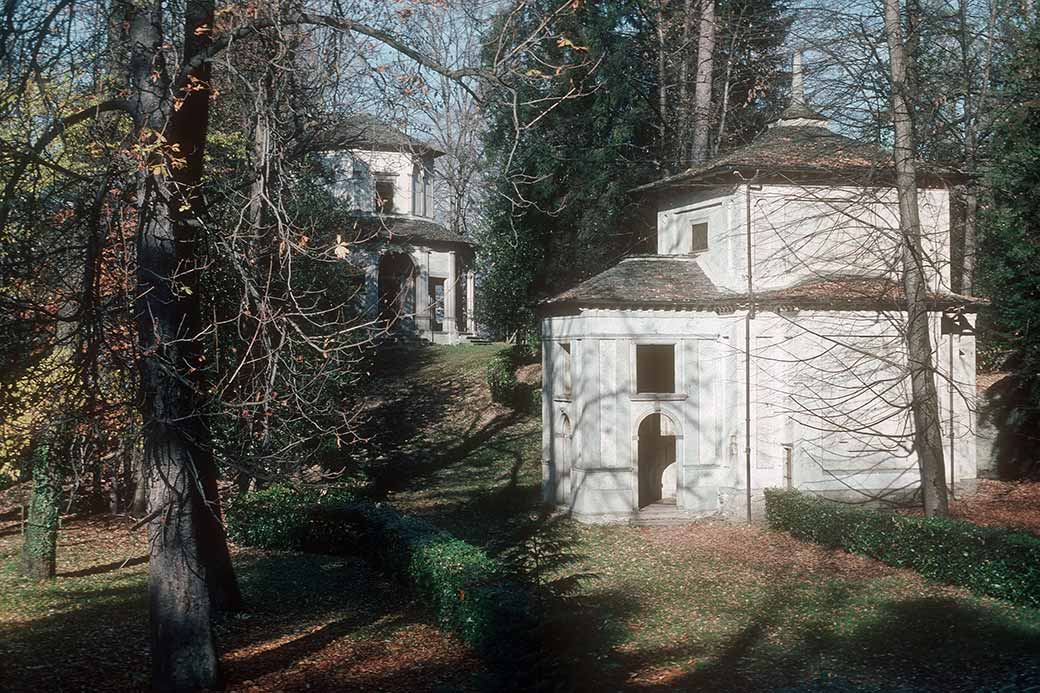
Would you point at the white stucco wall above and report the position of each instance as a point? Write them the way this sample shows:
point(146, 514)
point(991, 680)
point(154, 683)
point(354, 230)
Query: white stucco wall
point(844, 438)
point(357, 171)
point(800, 233)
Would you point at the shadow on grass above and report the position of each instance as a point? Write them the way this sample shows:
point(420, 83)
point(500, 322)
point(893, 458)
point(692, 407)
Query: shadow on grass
point(781, 643)
point(104, 568)
point(930, 644)
point(88, 634)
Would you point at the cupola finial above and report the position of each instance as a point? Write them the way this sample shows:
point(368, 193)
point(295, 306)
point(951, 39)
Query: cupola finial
point(798, 112)
point(797, 82)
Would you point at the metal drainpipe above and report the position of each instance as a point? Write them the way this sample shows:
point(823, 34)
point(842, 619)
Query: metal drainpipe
point(748, 317)
point(950, 385)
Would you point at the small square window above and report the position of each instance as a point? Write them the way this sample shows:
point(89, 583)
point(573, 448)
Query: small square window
point(385, 196)
point(655, 368)
point(699, 236)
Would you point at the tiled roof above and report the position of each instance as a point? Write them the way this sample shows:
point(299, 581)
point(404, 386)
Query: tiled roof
point(803, 149)
point(361, 130)
point(645, 280)
point(395, 227)
point(853, 292)
point(678, 283)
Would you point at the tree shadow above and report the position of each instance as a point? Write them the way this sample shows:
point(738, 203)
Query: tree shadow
point(923, 644)
point(104, 567)
point(1007, 408)
point(95, 635)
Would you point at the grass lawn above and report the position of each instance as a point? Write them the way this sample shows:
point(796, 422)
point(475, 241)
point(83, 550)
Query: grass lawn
point(312, 623)
point(714, 606)
point(710, 607)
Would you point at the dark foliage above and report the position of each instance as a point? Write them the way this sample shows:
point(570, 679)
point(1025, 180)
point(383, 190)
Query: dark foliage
point(571, 215)
point(1010, 229)
point(280, 517)
point(564, 210)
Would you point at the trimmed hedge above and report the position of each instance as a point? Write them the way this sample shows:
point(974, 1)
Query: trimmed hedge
point(280, 517)
point(987, 560)
point(467, 590)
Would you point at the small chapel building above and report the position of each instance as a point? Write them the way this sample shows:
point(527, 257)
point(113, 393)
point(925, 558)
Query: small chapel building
point(419, 276)
point(761, 345)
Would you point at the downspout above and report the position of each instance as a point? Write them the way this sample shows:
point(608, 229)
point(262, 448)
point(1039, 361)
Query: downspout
point(950, 385)
point(749, 315)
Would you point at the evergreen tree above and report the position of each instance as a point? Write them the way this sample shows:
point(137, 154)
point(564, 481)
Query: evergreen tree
point(563, 210)
point(1010, 258)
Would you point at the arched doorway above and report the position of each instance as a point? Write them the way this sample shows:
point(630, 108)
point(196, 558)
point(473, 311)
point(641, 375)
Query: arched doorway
point(396, 287)
point(562, 460)
point(657, 437)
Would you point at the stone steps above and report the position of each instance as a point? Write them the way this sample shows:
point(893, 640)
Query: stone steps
point(665, 515)
point(476, 340)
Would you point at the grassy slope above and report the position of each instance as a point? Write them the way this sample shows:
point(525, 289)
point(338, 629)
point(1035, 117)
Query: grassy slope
point(708, 607)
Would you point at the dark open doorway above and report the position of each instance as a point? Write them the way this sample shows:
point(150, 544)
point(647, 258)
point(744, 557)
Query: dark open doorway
point(657, 460)
point(396, 287)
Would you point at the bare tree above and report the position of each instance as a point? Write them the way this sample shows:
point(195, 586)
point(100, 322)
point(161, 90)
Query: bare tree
point(702, 94)
point(927, 425)
point(183, 246)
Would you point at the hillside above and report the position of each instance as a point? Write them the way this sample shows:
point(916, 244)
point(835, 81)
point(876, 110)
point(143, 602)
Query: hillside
point(705, 607)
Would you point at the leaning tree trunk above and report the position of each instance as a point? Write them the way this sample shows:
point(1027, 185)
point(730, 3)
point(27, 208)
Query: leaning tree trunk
point(39, 548)
point(189, 567)
point(702, 86)
point(925, 399)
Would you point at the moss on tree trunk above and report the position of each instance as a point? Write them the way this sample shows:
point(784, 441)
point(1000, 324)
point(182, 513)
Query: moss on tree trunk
point(41, 532)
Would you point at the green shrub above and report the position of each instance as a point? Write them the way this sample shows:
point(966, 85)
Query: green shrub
point(987, 560)
point(467, 591)
point(501, 377)
point(280, 517)
point(503, 384)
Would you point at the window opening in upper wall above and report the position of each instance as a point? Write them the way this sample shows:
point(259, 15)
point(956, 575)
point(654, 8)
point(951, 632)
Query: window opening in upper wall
point(655, 368)
point(699, 237)
point(384, 196)
point(566, 364)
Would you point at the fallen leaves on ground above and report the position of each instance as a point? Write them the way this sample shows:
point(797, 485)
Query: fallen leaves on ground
point(1011, 504)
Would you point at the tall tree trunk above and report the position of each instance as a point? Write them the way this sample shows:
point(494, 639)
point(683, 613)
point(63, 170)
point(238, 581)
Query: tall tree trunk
point(189, 568)
point(702, 87)
point(662, 82)
point(925, 400)
point(684, 80)
point(39, 548)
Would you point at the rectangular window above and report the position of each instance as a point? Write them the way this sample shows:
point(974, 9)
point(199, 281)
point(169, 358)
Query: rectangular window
point(384, 196)
point(565, 365)
point(417, 209)
point(436, 289)
point(699, 236)
point(655, 368)
point(427, 194)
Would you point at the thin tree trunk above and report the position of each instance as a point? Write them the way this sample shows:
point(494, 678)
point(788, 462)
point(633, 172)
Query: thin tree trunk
point(925, 400)
point(139, 507)
point(662, 81)
point(39, 549)
point(684, 79)
point(702, 87)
